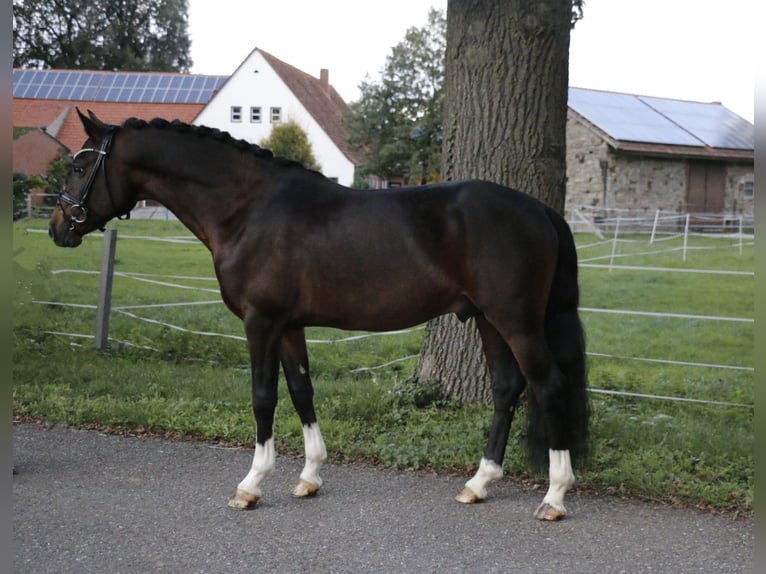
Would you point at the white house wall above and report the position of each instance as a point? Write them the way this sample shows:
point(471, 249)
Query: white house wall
point(265, 89)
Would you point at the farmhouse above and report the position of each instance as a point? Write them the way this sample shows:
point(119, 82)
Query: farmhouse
point(261, 93)
point(638, 154)
point(265, 91)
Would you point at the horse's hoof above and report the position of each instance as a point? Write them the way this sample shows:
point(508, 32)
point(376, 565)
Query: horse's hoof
point(304, 488)
point(243, 500)
point(547, 512)
point(468, 496)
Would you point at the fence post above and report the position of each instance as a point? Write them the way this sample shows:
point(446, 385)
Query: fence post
point(614, 243)
point(654, 227)
point(105, 289)
point(740, 234)
point(686, 233)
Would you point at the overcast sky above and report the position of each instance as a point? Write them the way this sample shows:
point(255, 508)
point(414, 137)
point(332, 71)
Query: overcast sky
point(699, 50)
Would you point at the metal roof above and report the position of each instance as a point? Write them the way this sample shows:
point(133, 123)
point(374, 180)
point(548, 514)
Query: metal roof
point(133, 87)
point(644, 119)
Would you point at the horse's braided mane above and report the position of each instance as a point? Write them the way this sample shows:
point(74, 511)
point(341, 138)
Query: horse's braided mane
point(207, 132)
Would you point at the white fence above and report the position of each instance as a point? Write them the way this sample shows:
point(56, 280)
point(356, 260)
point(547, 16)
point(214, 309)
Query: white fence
point(650, 239)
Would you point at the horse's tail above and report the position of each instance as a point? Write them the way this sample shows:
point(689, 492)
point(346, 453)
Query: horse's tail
point(565, 336)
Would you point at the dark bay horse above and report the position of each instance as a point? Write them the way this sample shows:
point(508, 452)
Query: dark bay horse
point(293, 249)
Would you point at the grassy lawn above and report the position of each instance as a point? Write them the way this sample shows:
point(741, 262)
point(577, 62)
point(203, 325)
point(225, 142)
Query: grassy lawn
point(159, 379)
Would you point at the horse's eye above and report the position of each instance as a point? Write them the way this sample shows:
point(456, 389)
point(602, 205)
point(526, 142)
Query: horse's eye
point(78, 170)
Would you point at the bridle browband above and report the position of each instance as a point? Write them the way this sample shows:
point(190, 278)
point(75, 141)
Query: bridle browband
point(78, 212)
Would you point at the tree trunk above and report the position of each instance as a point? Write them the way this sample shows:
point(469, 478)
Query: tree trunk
point(506, 82)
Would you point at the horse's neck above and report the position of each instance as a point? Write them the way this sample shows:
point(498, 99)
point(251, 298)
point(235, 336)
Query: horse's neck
point(202, 199)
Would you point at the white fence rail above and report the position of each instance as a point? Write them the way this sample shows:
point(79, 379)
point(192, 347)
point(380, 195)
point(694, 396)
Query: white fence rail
point(131, 311)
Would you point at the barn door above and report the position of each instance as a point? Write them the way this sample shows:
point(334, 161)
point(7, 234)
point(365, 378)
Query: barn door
point(705, 187)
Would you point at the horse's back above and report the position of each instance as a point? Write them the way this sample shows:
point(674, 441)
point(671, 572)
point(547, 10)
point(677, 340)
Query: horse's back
point(387, 259)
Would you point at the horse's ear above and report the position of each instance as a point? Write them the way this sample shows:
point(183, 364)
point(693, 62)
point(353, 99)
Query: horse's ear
point(94, 127)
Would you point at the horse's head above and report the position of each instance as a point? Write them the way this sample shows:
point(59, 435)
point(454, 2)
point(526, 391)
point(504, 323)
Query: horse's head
point(92, 195)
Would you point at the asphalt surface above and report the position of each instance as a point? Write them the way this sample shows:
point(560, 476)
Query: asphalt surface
point(88, 502)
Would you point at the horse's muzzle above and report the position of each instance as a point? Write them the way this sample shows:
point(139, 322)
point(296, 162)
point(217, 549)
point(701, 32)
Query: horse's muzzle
point(63, 235)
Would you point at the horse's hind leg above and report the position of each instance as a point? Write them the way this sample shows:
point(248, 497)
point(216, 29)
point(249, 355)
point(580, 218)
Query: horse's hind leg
point(295, 363)
point(551, 422)
point(507, 384)
point(560, 480)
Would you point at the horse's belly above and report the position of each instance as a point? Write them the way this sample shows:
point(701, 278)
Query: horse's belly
point(382, 311)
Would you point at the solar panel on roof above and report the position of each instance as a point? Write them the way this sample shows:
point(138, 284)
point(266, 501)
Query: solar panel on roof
point(645, 119)
point(710, 122)
point(625, 117)
point(134, 87)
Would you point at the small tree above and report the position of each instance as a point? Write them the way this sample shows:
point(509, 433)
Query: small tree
point(288, 140)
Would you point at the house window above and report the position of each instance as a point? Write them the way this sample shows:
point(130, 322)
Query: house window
point(236, 113)
point(276, 115)
point(747, 188)
point(255, 115)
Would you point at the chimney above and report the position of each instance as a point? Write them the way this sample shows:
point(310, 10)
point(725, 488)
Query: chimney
point(324, 80)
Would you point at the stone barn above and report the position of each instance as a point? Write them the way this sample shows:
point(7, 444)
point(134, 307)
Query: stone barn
point(633, 155)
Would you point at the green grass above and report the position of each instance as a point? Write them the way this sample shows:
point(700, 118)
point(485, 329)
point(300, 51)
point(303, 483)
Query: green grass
point(161, 380)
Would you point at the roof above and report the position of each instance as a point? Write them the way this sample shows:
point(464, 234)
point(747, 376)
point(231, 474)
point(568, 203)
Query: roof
point(661, 125)
point(41, 96)
point(100, 86)
point(321, 100)
point(47, 98)
point(59, 118)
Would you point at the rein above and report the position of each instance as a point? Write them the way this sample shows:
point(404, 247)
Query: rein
point(78, 212)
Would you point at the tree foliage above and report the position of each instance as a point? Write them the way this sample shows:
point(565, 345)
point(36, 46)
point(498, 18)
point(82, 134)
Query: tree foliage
point(288, 140)
point(397, 120)
point(101, 34)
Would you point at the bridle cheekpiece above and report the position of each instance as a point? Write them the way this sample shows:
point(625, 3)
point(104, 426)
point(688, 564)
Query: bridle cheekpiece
point(78, 211)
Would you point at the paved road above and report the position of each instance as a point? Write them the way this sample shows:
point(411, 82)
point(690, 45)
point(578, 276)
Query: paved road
point(87, 502)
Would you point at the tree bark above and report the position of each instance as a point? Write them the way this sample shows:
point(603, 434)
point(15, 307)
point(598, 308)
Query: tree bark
point(506, 82)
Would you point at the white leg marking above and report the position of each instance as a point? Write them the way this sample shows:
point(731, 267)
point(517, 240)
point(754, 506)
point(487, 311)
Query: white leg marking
point(264, 460)
point(316, 454)
point(561, 478)
point(488, 472)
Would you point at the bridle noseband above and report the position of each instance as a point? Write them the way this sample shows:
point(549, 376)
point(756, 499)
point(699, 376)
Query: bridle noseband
point(78, 212)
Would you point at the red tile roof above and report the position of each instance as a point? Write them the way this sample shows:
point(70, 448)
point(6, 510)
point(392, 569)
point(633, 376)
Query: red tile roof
point(41, 113)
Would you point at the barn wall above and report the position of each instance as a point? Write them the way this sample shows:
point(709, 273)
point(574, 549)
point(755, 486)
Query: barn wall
point(739, 195)
point(637, 183)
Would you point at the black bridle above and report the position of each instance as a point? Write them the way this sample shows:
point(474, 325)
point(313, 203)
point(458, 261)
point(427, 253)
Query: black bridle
point(78, 212)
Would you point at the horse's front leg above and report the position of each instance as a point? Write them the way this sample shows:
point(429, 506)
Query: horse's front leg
point(263, 342)
point(295, 363)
